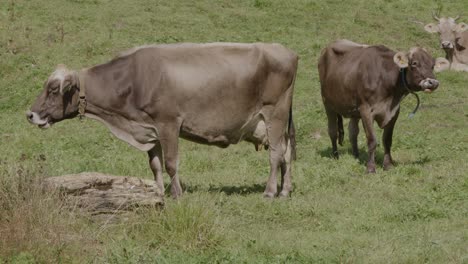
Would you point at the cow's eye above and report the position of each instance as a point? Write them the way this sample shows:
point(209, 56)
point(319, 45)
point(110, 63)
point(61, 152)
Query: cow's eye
point(414, 64)
point(54, 89)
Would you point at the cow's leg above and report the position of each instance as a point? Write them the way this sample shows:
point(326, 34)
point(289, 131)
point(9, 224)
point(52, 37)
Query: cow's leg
point(340, 129)
point(169, 137)
point(274, 132)
point(353, 128)
point(333, 129)
point(286, 185)
point(367, 123)
point(387, 142)
point(155, 161)
point(279, 147)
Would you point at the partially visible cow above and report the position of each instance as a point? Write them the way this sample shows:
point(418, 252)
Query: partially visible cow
point(368, 82)
point(454, 41)
point(215, 94)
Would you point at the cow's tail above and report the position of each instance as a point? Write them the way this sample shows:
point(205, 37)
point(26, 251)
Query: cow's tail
point(292, 134)
point(340, 130)
point(291, 128)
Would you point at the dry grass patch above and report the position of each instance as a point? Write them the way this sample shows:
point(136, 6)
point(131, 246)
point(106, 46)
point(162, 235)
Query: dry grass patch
point(37, 223)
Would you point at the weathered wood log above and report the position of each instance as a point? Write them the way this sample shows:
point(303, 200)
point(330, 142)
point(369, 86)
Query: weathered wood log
point(102, 194)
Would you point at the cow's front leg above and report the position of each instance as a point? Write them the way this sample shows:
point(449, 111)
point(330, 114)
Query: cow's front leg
point(387, 142)
point(367, 123)
point(169, 137)
point(155, 161)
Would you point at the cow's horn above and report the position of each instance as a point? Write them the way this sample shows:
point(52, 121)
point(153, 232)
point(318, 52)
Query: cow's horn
point(435, 16)
point(457, 17)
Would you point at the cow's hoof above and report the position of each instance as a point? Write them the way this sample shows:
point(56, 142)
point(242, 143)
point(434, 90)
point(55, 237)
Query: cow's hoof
point(161, 189)
point(370, 169)
point(176, 194)
point(284, 194)
point(388, 162)
point(388, 166)
point(356, 155)
point(269, 195)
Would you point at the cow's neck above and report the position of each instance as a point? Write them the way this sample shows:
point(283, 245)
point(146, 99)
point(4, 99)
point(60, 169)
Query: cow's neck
point(110, 108)
point(460, 52)
point(403, 86)
point(460, 56)
point(449, 55)
point(93, 92)
point(404, 89)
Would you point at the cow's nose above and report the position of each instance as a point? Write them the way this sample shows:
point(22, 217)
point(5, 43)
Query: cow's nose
point(29, 115)
point(446, 44)
point(433, 83)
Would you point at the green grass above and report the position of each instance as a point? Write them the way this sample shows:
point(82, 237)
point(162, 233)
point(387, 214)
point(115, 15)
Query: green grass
point(415, 213)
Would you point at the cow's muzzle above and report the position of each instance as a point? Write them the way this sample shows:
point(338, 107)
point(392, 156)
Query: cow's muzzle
point(446, 45)
point(428, 85)
point(35, 119)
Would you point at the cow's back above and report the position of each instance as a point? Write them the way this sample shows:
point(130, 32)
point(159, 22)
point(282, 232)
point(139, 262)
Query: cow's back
point(225, 71)
point(192, 54)
point(191, 63)
point(332, 56)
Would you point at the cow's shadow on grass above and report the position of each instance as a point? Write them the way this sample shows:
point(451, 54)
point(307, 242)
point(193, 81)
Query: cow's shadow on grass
point(228, 190)
point(421, 161)
point(364, 156)
point(239, 189)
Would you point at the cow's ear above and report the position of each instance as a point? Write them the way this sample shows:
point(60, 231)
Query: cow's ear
point(68, 82)
point(441, 64)
point(401, 59)
point(431, 28)
point(460, 27)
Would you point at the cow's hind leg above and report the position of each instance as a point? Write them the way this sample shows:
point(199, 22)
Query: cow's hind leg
point(340, 130)
point(367, 123)
point(333, 130)
point(155, 161)
point(353, 129)
point(279, 148)
point(169, 137)
point(286, 185)
point(274, 133)
point(387, 142)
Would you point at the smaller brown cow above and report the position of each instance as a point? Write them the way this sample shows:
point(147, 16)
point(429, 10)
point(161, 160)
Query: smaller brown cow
point(454, 41)
point(368, 82)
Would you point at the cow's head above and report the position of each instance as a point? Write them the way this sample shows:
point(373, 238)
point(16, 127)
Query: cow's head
point(58, 100)
point(448, 30)
point(419, 67)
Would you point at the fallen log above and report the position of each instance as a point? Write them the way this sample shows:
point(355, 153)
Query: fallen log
point(106, 194)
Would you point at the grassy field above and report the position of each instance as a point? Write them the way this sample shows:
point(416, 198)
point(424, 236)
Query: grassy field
point(415, 213)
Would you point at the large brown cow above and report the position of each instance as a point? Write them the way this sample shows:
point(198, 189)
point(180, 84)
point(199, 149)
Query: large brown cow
point(368, 82)
point(216, 94)
point(454, 41)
